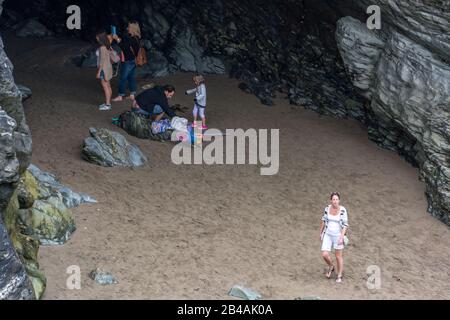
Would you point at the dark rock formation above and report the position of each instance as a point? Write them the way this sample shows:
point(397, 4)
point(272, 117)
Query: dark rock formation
point(15, 154)
point(404, 71)
point(25, 91)
point(33, 28)
point(14, 282)
point(109, 149)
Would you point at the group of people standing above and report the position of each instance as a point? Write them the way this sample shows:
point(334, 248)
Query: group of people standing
point(151, 102)
point(129, 45)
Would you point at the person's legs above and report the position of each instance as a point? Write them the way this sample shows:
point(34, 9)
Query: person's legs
point(340, 263)
point(195, 113)
point(326, 249)
point(132, 80)
point(202, 116)
point(125, 70)
point(158, 112)
point(141, 111)
point(108, 91)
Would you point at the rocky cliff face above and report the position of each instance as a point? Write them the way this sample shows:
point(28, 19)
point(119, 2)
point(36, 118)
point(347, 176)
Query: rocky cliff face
point(15, 154)
point(404, 71)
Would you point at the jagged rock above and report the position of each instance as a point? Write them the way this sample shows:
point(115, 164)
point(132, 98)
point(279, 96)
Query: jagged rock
point(44, 204)
point(1, 6)
point(409, 81)
point(89, 59)
point(14, 282)
point(299, 98)
point(427, 23)
point(102, 277)
point(188, 55)
point(50, 224)
point(361, 49)
point(9, 164)
point(49, 186)
point(33, 28)
point(10, 19)
point(109, 149)
point(158, 26)
point(244, 293)
point(15, 154)
point(158, 66)
point(25, 91)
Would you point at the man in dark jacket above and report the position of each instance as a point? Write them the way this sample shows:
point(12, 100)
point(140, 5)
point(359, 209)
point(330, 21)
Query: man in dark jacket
point(154, 102)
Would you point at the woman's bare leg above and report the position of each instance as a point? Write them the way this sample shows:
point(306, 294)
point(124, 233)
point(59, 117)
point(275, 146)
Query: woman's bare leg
point(340, 262)
point(106, 90)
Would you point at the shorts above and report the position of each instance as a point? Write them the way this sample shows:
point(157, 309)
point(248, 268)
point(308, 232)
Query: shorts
point(102, 75)
point(329, 241)
point(197, 110)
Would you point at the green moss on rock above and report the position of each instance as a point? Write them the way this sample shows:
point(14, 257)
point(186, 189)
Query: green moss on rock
point(28, 190)
point(50, 224)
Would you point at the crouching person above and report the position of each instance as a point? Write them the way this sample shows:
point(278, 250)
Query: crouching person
point(154, 102)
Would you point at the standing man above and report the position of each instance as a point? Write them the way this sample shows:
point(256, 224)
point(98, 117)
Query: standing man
point(154, 102)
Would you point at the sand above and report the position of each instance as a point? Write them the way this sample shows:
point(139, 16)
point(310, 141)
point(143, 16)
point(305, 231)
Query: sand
point(193, 231)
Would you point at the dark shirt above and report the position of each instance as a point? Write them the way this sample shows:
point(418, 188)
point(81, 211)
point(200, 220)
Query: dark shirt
point(155, 96)
point(126, 44)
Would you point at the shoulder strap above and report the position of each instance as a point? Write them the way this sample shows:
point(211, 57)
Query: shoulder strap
point(139, 44)
point(134, 54)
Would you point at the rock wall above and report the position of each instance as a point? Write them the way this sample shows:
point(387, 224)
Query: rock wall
point(404, 71)
point(15, 154)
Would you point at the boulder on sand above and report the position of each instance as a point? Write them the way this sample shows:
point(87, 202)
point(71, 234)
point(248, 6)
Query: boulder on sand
point(109, 149)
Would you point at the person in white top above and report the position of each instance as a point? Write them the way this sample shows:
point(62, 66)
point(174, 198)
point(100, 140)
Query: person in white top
point(333, 228)
point(199, 101)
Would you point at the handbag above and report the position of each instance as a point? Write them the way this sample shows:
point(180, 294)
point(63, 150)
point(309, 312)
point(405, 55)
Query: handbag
point(141, 57)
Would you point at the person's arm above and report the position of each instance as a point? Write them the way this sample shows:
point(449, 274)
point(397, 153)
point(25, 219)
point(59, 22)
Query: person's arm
point(102, 56)
point(190, 91)
point(344, 227)
point(322, 225)
point(165, 106)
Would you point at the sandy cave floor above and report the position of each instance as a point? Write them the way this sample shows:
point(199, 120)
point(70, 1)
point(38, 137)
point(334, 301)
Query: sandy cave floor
point(193, 231)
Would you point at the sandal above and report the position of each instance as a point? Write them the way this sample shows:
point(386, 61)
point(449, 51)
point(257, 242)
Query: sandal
point(329, 272)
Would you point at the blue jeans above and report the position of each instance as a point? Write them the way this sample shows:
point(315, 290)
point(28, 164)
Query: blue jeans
point(156, 110)
point(127, 74)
